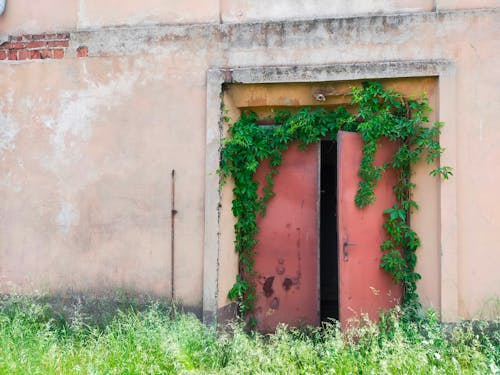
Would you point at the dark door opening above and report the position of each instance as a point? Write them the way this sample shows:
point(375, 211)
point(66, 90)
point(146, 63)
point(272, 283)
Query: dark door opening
point(329, 277)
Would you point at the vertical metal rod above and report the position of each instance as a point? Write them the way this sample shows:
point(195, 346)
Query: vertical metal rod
point(172, 236)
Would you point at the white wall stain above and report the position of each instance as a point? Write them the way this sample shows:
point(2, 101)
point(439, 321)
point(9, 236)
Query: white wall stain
point(253, 10)
point(67, 217)
point(8, 127)
point(76, 113)
point(10, 182)
point(82, 15)
point(8, 132)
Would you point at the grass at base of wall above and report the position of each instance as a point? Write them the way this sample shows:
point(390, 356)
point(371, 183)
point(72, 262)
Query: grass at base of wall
point(154, 342)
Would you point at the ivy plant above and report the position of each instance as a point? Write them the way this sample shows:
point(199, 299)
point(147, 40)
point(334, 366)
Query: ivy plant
point(376, 113)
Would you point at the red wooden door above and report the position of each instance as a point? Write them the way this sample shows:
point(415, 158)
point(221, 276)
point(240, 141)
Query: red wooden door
point(286, 260)
point(364, 288)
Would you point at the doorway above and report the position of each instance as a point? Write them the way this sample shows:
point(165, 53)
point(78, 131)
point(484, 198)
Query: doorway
point(329, 280)
point(221, 261)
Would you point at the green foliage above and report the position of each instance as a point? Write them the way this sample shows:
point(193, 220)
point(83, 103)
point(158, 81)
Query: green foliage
point(154, 342)
point(378, 113)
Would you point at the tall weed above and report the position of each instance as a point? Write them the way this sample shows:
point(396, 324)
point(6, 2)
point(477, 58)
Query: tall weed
point(35, 340)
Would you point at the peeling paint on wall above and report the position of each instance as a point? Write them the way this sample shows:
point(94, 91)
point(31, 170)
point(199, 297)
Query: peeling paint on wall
point(8, 127)
point(8, 133)
point(67, 217)
point(10, 182)
point(76, 113)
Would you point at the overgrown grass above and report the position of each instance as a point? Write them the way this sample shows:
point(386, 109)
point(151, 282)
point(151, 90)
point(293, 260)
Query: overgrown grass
point(34, 341)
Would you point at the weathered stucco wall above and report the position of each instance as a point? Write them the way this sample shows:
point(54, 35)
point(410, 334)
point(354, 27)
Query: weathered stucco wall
point(38, 16)
point(27, 16)
point(87, 151)
point(87, 144)
point(255, 10)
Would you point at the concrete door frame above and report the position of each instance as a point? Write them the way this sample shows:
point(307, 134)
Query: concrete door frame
point(444, 70)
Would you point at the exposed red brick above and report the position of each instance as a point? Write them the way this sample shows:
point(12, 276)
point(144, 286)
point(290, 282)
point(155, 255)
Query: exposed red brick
point(36, 44)
point(38, 37)
point(53, 36)
point(35, 55)
point(15, 45)
point(58, 53)
point(23, 54)
point(82, 51)
point(46, 54)
point(58, 36)
point(58, 43)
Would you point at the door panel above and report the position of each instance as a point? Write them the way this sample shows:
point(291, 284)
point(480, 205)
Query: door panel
point(364, 288)
point(286, 260)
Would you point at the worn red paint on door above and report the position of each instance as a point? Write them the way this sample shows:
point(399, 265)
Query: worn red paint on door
point(287, 253)
point(364, 288)
point(286, 260)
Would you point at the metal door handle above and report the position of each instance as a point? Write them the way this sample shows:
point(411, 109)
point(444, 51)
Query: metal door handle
point(344, 249)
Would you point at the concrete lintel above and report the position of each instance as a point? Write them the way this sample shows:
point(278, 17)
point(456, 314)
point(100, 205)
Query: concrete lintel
point(335, 72)
point(216, 77)
point(284, 34)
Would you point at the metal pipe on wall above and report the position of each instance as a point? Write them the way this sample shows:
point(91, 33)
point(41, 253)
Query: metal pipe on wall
point(172, 238)
point(2, 6)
